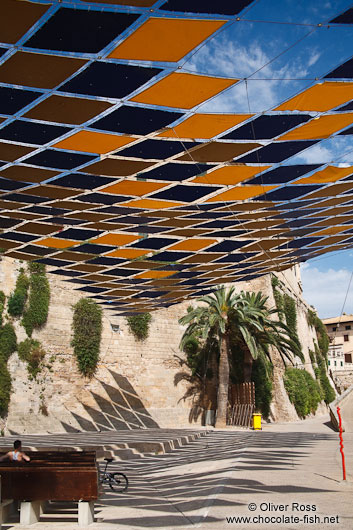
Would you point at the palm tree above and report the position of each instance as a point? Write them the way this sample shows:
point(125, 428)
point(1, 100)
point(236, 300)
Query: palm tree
point(245, 319)
point(213, 319)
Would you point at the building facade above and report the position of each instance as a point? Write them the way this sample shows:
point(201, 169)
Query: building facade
point(340, 332)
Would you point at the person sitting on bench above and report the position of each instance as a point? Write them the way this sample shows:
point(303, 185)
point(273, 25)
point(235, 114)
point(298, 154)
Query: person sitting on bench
point(16, 455)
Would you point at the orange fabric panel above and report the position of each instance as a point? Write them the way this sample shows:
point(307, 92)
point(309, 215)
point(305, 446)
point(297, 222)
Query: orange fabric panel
point(193, 244)
point(240, 193)
point(134, 187)
point(155, 274)
point(152, 204)
point(182, 90)
point(230, 174)
point(205, 126)
point(54, 242)
point(321, 127)
point(115, 239)
point(320, 97)
point(329, 174)
point(332, 230)
point(165, 39)
point(128, 253)
point(93, 142)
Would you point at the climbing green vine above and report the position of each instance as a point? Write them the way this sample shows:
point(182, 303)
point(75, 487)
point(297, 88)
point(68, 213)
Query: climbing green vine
point(36, 313)
point(17, 300)
point(8, 345)
point(303, 391)
point(87, 331)
point(139, 325)
point(31, 351)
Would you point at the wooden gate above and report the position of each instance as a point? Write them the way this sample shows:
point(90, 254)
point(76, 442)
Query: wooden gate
point(241, 405)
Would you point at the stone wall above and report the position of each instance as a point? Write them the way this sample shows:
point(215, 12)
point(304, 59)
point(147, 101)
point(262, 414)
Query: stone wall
point(135, 385)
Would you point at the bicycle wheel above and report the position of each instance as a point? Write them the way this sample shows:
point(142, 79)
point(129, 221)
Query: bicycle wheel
point(118, 482)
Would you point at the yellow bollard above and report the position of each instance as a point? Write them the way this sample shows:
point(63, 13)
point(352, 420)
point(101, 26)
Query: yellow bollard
point(256, 422)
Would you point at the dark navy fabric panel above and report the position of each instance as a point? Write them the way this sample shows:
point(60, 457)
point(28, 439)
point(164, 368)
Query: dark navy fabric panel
point(283, 174)
point(222, 7)
point(159, 149)
point(109, 79)
point(80, 234)
point(344, 18)
point(344, 71)
point(176, 172)
point(14, 99)
point(59, 159)
point(135, 120)
point(103, 198)
point(229, 246)
point(287, 193)
point(154, 243)
point(266, 127)
point(81, 181)
point(11, 185)
point(77, 30)
point(185, 193)
point(346, 106)
point(276, 152)
point(32, 133)
point(348, 131)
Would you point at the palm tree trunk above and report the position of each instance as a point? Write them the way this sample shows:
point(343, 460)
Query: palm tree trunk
point(248, 360)
point(223, 382)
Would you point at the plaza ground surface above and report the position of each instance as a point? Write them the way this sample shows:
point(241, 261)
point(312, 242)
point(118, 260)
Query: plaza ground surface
point(286, 476)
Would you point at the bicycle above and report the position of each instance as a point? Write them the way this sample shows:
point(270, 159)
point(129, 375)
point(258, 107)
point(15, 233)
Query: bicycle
point(116, 481)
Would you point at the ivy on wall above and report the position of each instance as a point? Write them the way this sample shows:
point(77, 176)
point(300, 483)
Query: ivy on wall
point(31, 351)
point(139, 325)
point(36, 313)
point(286, 307)
point(303, 391)
point(8, 345)
point(87, 329)
point(17, 300)
point(2, 305)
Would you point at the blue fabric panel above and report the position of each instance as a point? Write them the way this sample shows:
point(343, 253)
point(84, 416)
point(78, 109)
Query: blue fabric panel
point(109, 79)
point(277, 152)
point(78, 30)
point(267, 127)
point(348, 131)
point(184, 193)
point(7, 222)
point(176, 172)
point(59, 159)
point(169, 256)
point(288, 193)
point(19, 197)
point(344, 18)
point(103, 198)
point(344, 71)
point(93, 248)
point(32, 133)
point(222, 7)
point(11, 185)
point(14, 99)
point(135, 120)
point(229, 246)
point(79, 234)
point(81, 181)
point(157, 149)
point(346, 106)
point(283, 174)
point(154, 243)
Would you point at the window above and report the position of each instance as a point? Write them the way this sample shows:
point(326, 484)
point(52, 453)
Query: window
point(335, 363)
point(334, 328)
point(329, 363)
point(348, 357)
point(348, 327)
point(346, 338)
point(341, 363)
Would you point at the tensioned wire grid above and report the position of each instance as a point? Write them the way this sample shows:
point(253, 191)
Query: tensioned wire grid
point(113, 175)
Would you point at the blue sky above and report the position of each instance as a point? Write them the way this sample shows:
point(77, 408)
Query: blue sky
point(281, 50)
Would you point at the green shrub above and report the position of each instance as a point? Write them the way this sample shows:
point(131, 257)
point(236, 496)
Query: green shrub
point(262, 377)
point(87, 329)
point(8, 342)
point(17, 300)
point(139, 325)
point(31, 351)
point(36, 313)
point(328, 393)
point(303, 391)
point(5, 388)
point(2, 305)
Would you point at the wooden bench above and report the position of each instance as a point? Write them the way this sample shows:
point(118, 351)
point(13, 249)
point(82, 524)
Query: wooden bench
point(52, 476)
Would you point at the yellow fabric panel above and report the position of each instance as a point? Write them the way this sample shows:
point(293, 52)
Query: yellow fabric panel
point(115, 239)
point(165, 39)
point(155, 274)
point(320, 97)
point(329, 174)
point(205, 126)
point(193, 244)
point(321, 127)
point(182, 90)
point(152, 204)
point(134, 187)
point(240, 193)
point(94, 142)
point(128, 253)
point(230, 174)
point(54, 242)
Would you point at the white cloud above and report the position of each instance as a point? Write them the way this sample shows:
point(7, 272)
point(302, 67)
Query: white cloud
point(326, 290)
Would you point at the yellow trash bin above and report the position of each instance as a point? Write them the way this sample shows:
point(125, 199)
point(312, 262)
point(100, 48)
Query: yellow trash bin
point(256, 422)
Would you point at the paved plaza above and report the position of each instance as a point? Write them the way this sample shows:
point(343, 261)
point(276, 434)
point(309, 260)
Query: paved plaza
point(286, 476)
